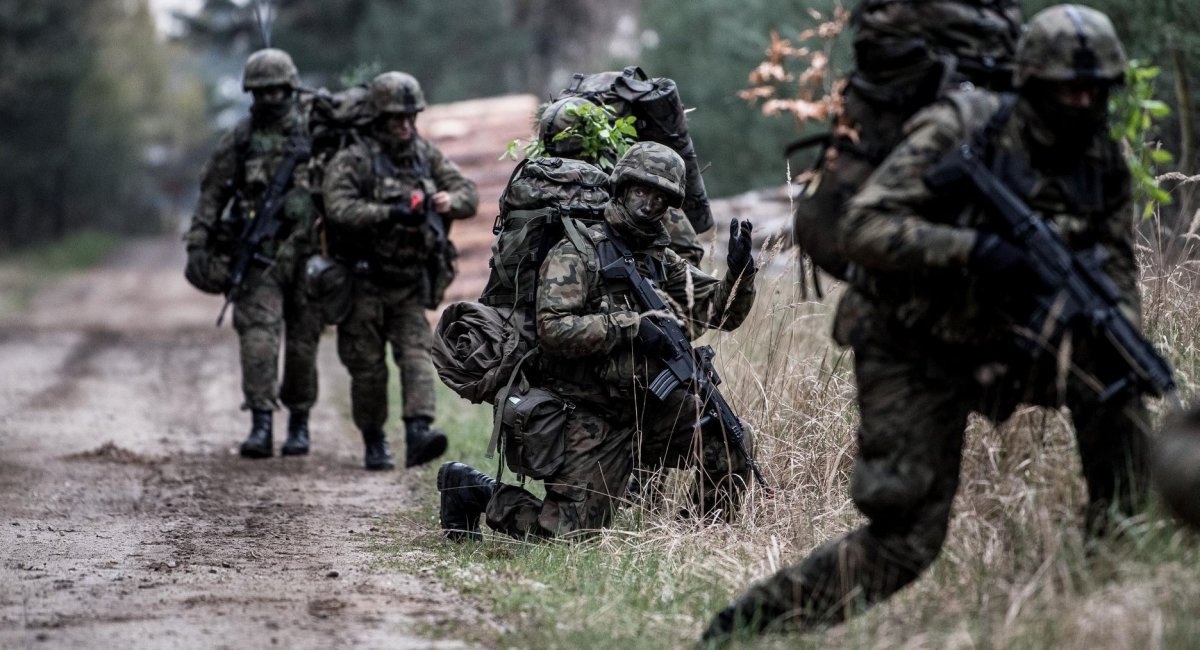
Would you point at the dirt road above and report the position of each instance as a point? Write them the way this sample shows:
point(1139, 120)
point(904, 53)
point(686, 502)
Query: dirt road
point(127, 518)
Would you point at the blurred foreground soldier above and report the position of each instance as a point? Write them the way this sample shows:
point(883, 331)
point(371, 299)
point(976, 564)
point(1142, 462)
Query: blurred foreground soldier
point(561, 116)
point(391, 197)
point(601, 350)
point(933, 318)
point(1177, 466)
point(258, 171)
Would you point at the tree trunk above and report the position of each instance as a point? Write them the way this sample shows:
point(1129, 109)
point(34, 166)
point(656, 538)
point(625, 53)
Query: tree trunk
point(1183, 98)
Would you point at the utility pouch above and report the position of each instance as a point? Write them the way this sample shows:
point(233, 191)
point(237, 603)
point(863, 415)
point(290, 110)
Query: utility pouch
point(533, 423)
point(329, 287)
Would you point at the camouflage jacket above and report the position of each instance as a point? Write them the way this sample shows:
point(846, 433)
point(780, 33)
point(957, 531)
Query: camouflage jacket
point(361, 184)
point(238, 175)
point(912, 246)
point(586, 325)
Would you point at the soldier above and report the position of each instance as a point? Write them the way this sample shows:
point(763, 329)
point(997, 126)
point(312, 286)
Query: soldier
point(931, 320)
point(599, 352)
point(391, 197)
point(556, 118)
point(239, 175)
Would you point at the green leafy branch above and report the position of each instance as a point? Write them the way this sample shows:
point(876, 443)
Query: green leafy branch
point(1134, 113)
point(603, 136)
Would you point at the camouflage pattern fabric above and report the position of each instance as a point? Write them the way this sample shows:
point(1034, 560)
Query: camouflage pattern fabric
point(273, 307)
point(391, 293)
point(363, 182)
point(1068, 43)
point(684, 240)
point(580, 497)
point(911, 244)
point(586, 327)
point(907, 54)
point(914, 412)
point(934, 343)
point(255, 151)
point(381, 315)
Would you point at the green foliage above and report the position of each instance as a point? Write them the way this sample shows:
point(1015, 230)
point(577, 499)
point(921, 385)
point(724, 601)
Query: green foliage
point(1135, 113)
point(360, 73)
point(604, 136)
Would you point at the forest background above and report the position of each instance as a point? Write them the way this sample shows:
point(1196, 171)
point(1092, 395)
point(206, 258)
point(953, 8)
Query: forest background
point(107, 114)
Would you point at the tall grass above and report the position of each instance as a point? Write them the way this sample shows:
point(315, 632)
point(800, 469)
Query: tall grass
point(1016, 571)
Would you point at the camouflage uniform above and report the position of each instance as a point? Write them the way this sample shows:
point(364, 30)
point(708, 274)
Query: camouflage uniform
point(586, 326)
point(392, 262)
point(933, 342)
point(239, 172)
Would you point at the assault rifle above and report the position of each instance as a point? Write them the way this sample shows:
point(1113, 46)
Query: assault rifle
point(685, 366)
point(265, 224)
point(1080, 293)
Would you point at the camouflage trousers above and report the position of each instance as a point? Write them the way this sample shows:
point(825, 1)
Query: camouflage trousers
point(580, 496)
point(602, 449)
point(381, 315)
point(274, 307)
point(914, 413)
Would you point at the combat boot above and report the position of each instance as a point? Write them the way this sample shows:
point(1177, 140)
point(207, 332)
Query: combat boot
point(378, 456)
point(259, 443)
point(422, 444)
point(465, 494)
point(297, 435)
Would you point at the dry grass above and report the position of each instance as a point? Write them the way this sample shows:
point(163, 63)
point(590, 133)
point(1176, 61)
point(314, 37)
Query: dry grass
point(1015, 571)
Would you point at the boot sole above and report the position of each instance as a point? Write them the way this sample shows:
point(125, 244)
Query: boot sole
point(436, 448)
point(255, 453)
point(293, 452)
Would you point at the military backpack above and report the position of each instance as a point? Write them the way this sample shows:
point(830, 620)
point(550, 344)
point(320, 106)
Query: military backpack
point(660, 117)
point(908, 54)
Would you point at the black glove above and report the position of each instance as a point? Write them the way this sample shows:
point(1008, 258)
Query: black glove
point(995, 258)
point(739, 259)
point(406, 215)
point(196, 270)
point(651, 339)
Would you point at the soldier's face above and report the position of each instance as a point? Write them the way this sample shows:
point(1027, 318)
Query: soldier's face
point(1081, 95)
point(645, 203)
point(401, 126)
point(272, 102)
point(272, 95)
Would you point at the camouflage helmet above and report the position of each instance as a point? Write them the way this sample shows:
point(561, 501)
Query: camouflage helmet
point(396, 92)
point(1069, 42)
point(269, 67)
point(557, 118)
point(653, 164)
